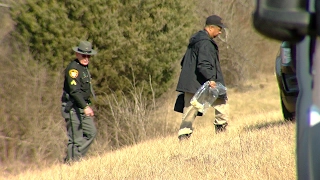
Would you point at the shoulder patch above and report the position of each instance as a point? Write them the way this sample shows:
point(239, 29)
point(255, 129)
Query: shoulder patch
point(73, 73)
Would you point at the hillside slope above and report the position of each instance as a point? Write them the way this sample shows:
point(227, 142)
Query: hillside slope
point(257, 145)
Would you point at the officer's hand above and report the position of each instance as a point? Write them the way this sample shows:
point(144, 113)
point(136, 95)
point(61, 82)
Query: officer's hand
point(88, 111)
point(212, 84)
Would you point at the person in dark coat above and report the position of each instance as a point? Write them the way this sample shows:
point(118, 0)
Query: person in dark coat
point(76, 103)
point(200, 64)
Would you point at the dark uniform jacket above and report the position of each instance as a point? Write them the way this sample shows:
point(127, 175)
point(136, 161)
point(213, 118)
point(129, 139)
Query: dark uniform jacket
point(200, 64)
point(77, 84)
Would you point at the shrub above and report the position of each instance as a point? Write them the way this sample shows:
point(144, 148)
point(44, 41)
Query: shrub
point(143, 38)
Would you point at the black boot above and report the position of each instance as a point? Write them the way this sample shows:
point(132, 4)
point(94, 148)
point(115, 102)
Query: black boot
point(184, 137)
point(220, 128)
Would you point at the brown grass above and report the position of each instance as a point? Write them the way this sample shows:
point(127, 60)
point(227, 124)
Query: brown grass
point(257, 145)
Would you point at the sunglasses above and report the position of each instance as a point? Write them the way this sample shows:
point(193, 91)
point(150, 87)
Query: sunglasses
point(219, 28)
point(86, 56)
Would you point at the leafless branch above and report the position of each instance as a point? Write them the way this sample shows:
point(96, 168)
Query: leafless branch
point(4, 5)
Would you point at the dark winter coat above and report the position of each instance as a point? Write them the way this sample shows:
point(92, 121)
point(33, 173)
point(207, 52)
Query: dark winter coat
point(200, 64)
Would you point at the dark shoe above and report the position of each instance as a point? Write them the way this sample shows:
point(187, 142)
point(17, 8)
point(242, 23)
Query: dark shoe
point(220, 128)
point(184, 133)
point(184, 137)
point(67, 162)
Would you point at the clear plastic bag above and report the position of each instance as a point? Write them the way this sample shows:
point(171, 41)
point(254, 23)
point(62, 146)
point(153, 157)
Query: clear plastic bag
point(205, 96)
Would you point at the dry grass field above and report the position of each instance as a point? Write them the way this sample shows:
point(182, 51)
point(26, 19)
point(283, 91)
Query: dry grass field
point(258, 145)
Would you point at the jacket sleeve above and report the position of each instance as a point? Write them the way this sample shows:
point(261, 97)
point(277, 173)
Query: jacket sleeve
point(182, 60)
point(73, 80)
point(206, 59)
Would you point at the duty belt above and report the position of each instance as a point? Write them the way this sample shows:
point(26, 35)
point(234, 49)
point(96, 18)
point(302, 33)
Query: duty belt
point(65, 97)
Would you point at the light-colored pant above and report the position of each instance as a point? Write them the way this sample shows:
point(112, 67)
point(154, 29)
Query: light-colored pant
point(189, 114)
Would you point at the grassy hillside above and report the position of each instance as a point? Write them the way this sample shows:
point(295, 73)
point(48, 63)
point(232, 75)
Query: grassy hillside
point(257, 145)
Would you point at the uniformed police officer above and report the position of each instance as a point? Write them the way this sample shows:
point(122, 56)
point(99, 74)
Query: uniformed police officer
point(76, 103)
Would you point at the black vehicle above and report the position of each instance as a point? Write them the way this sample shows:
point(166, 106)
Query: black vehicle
point(298, 21)
point(287, 80)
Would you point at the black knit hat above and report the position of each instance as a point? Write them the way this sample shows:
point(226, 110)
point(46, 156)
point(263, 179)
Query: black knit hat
point(215, 20)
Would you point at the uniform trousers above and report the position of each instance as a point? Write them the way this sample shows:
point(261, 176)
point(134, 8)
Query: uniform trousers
point(81, 132)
